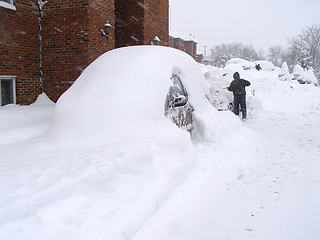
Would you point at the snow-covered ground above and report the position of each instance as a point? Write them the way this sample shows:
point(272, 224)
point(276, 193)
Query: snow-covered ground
point(258, 179)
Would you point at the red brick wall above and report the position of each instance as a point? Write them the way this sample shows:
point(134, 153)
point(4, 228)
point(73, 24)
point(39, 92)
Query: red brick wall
point(100, 11)
point(65, 43)
point(189, 47)
point(139, 21)
point(72, 40)
point(177, 43)
point(156, 21)
point(19, 48)
point(129, 22)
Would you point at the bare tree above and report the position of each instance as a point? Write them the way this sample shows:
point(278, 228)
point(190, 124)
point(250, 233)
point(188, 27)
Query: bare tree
point(220, 54)
point(275, 55)
point(261, 54)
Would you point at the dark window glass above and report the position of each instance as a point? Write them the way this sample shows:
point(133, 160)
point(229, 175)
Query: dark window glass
point(6, 92)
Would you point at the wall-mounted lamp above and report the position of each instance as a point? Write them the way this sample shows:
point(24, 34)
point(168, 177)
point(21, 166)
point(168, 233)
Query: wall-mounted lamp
point(106, 30)
point(156, 40)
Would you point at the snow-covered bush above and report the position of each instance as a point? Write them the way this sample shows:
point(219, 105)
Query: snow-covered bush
point(304, 76)
point(284, 74)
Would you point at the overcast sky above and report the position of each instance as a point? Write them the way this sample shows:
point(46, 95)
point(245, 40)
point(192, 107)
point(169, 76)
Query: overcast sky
point(261, 23)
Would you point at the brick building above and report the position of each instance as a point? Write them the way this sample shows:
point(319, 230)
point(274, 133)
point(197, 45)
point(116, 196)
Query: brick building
point(188, 46)
point(44, 48)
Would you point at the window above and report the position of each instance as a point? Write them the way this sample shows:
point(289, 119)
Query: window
point(7, 90)
point(7, 4)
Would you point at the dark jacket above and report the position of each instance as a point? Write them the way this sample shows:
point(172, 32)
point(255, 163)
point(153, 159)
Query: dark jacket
point(237, 86)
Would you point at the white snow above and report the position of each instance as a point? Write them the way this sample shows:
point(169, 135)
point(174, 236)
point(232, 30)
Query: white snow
point(105, 163)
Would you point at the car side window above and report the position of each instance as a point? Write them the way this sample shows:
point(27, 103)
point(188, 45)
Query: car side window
point(177, 95)
point(177, 106)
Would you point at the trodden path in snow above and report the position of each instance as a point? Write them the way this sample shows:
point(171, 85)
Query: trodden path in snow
point(264, 184)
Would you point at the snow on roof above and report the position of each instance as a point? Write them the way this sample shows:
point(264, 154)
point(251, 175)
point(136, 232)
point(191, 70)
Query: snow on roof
point(184, 37)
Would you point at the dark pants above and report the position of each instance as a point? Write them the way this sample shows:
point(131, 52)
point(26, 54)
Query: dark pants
point(240, 100)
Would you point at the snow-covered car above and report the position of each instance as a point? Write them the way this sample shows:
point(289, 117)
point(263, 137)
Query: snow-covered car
point(246, 65)
point(265, 65)
point(132, 93)
point(218, 80)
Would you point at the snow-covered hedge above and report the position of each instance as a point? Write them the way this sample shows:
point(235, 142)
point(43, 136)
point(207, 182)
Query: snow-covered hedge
point(304, 76)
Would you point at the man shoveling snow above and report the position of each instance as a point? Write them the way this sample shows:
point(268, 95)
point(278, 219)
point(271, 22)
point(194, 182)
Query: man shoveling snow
point(237, 86)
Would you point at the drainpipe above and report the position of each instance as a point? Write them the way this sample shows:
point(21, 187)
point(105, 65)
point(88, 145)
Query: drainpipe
point(41, 3)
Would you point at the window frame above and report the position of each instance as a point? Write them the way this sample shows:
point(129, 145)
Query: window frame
point(14, 93)
point(9, 5)
point(10, 1)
